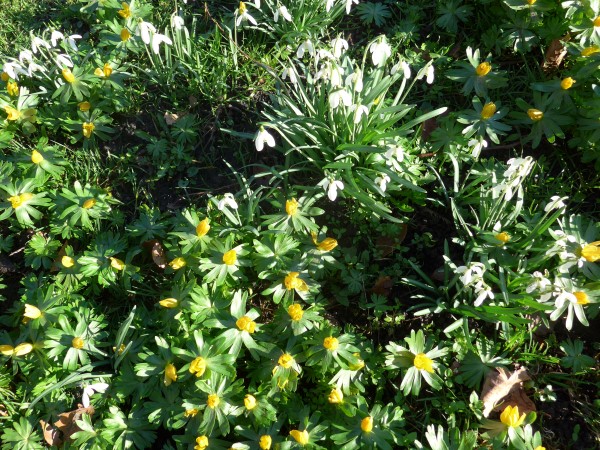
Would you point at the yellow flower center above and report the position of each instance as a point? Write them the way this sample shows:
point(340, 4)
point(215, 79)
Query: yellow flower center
point(177, 263)
point(84, 106)
point(535, 114)
point(510, 417)
point(191, 412)
point(17, 201)
point(77, 343)
point(32, 312)
point(531, 2)
point(125, 35)
point(245, 323)
point(291, 207)
point(567, 83)
point(597, 21)
point(170, 374)
point(503, 237)
point(88, 129)
point(422, 362)
point(331, 343)
point(213, 401)
point(591, 252)
point(483, 69)
point(201, 443)
point(488, 111)
point(104, 72)
point(265, 442)
point(367, 424)
point(301, 437)
point(286, 361)
point(67, 261)
point(12, 88)
point(68, 75)
point(292, 281)
point(125, 13)
point(89, 203)
point(198, 366)
point(336, 396)
point(582, 298)
point(589, 51)
point(169, 302)
point(295, 312)
point(230, 257)
point(250, 402)
point(116, 263)
point(202, 228)
point(242, 8)
point(13, 114)
point(36, 157)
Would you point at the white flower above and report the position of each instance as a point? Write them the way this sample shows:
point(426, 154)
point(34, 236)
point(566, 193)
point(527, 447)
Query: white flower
point(332, 186)
point(477, 145)
point(158, 39)
point(355, 80)
point(405, 69)
point(291, 73)
point(145, 29)
point(55, 36)
point(541, 285)
point(34, 67)
point(25, 55)
point(71, 41)
point(88, 391)
point(382, 181)
point(228, 201)
point(483, 291)
point(349, 5)
point(13, 69)
point(284, 13)
point(262, 137)
point(396, 152)
point(339, 46)
point(306, 47)
point(243, 14)
point(555, 202)
point(359, 111)
point(329, 4)
point(332, 72)
point(341, 95)
point(473, 274)
point(380, 52)
point(37, 43)
point(430, 74)
point(177, 22)
point(63, 60)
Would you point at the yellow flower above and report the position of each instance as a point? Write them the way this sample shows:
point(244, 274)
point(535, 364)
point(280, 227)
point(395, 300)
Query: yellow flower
point(422, 362)
point(202, 228)
point(301, 437)
point(535, 114)
point(510, 417)
point(242, 8)
point(104, 72)
point(89, 203)
point(13, 114)
point(331, 343)
point(201, 443)
point(20, 350)
point(125, 35)
point(539, 447)
point(88, 129)
point(591, 251)
point(170, 374)
point(67, 261)
point(68, 75)
point(169, 302)
point(125, 13)
point(77, 343)
point(293, 282)
point(213, 401)
point(367, 424)
point(190, 412)
point(250, 402)
point(326, 245)
point(12, 88)
point(177, 263)
point(488, 111)
point(5, 77)
point(198, 366)
point(359, 364)
point(16, 201)
point(230, 257)
point(295, 312)
point(531, 2)
point(120, 350)
point(582, 298)
point(336, 396)
point(245, 323)
point(286, 361)
point(483, 69)
point(503, 237)
point(567, 83)
point(116, 263)
point(589, 51)
point(597, 21)
point(32, 312)
point(291, 207)
point(84, 106)
point(36, 157)
point(265, 442)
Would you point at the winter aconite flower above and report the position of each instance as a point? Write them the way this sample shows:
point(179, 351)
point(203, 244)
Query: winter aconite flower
point(190, 412)
point(535, 114)
point(582, 297)
point(116, 263)
point(202, 228)
point(286, 361)
point(125, 35)
point(16, 201)
point(567, 83)
point(331, 343)
point(125, 13)
point(488, 111)
point(36, 157)
point(295, 312)
point(77, 343)
point(250, 402)
point(245, 323)
point(589, 51)
point(12, 88)
point(201, 443)
point(510, 417)
point(213, 401)
point(301, 437)
point(230, 257)
point(198, 366)
point(422, 362)
point(20, 350)
point(503, 237)
point(13, 114)
point(367, 424)
point(483, 69)
point(170, 374)
point(591, 252)
point(326, 245)
point(291, 207)
point(292, 281)
point(89, 203)
point(67, 261)
point(68, 75)
point(104, 72)
point(336, 396)
point(169, 303)
point(177, 263)
point(88, 129)
point(265, 442)
point(84, 106)
point(32, 312)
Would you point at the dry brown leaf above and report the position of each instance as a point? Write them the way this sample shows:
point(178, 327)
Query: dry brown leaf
point(51, 434)
point(158, 254)
point(387, 244)
point(383, 286)
point(555, 54)
point(171, 118)
point(499, 384)
point(65, 426)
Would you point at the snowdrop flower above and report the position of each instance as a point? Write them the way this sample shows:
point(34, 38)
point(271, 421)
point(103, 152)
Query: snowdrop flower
point(355, 80)
point(340, 96)
point(394, 156)
point(555, 202)
point(329, 5)
point(71, 41)
point(349, 5)
point(359, 111)
point(284, 13)
point(63, 60)
point(262, 137)
point(243, 15)
point(88, 391)
point(382, 181)
point(476, 146)
point(13, 69)
point(177, 22)
point(380, 52)
point(541, 285)
point(158, 39)
point(291, 73)
point(430, 74)
point(332, 186)
point(55, 36)
point(34, 67)
point(37, 43)
point(332, 72)
point(228, 201)
point(25, 55)
point(306, 47)
point(405, 69)
point(339, 46)
point(146, 28)
point(483, 291)
point(473, 274)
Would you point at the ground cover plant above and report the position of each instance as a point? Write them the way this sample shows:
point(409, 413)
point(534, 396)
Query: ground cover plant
point(285, 224)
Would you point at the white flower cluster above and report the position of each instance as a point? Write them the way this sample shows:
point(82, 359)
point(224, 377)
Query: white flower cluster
point(472, 277)
point(518, 169)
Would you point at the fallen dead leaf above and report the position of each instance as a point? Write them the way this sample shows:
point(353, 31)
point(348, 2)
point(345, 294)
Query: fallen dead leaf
point(500, 386)
point(65, 426)
point(158, 254)
point(555, 54)
point(387, 244)
point(383, 286)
